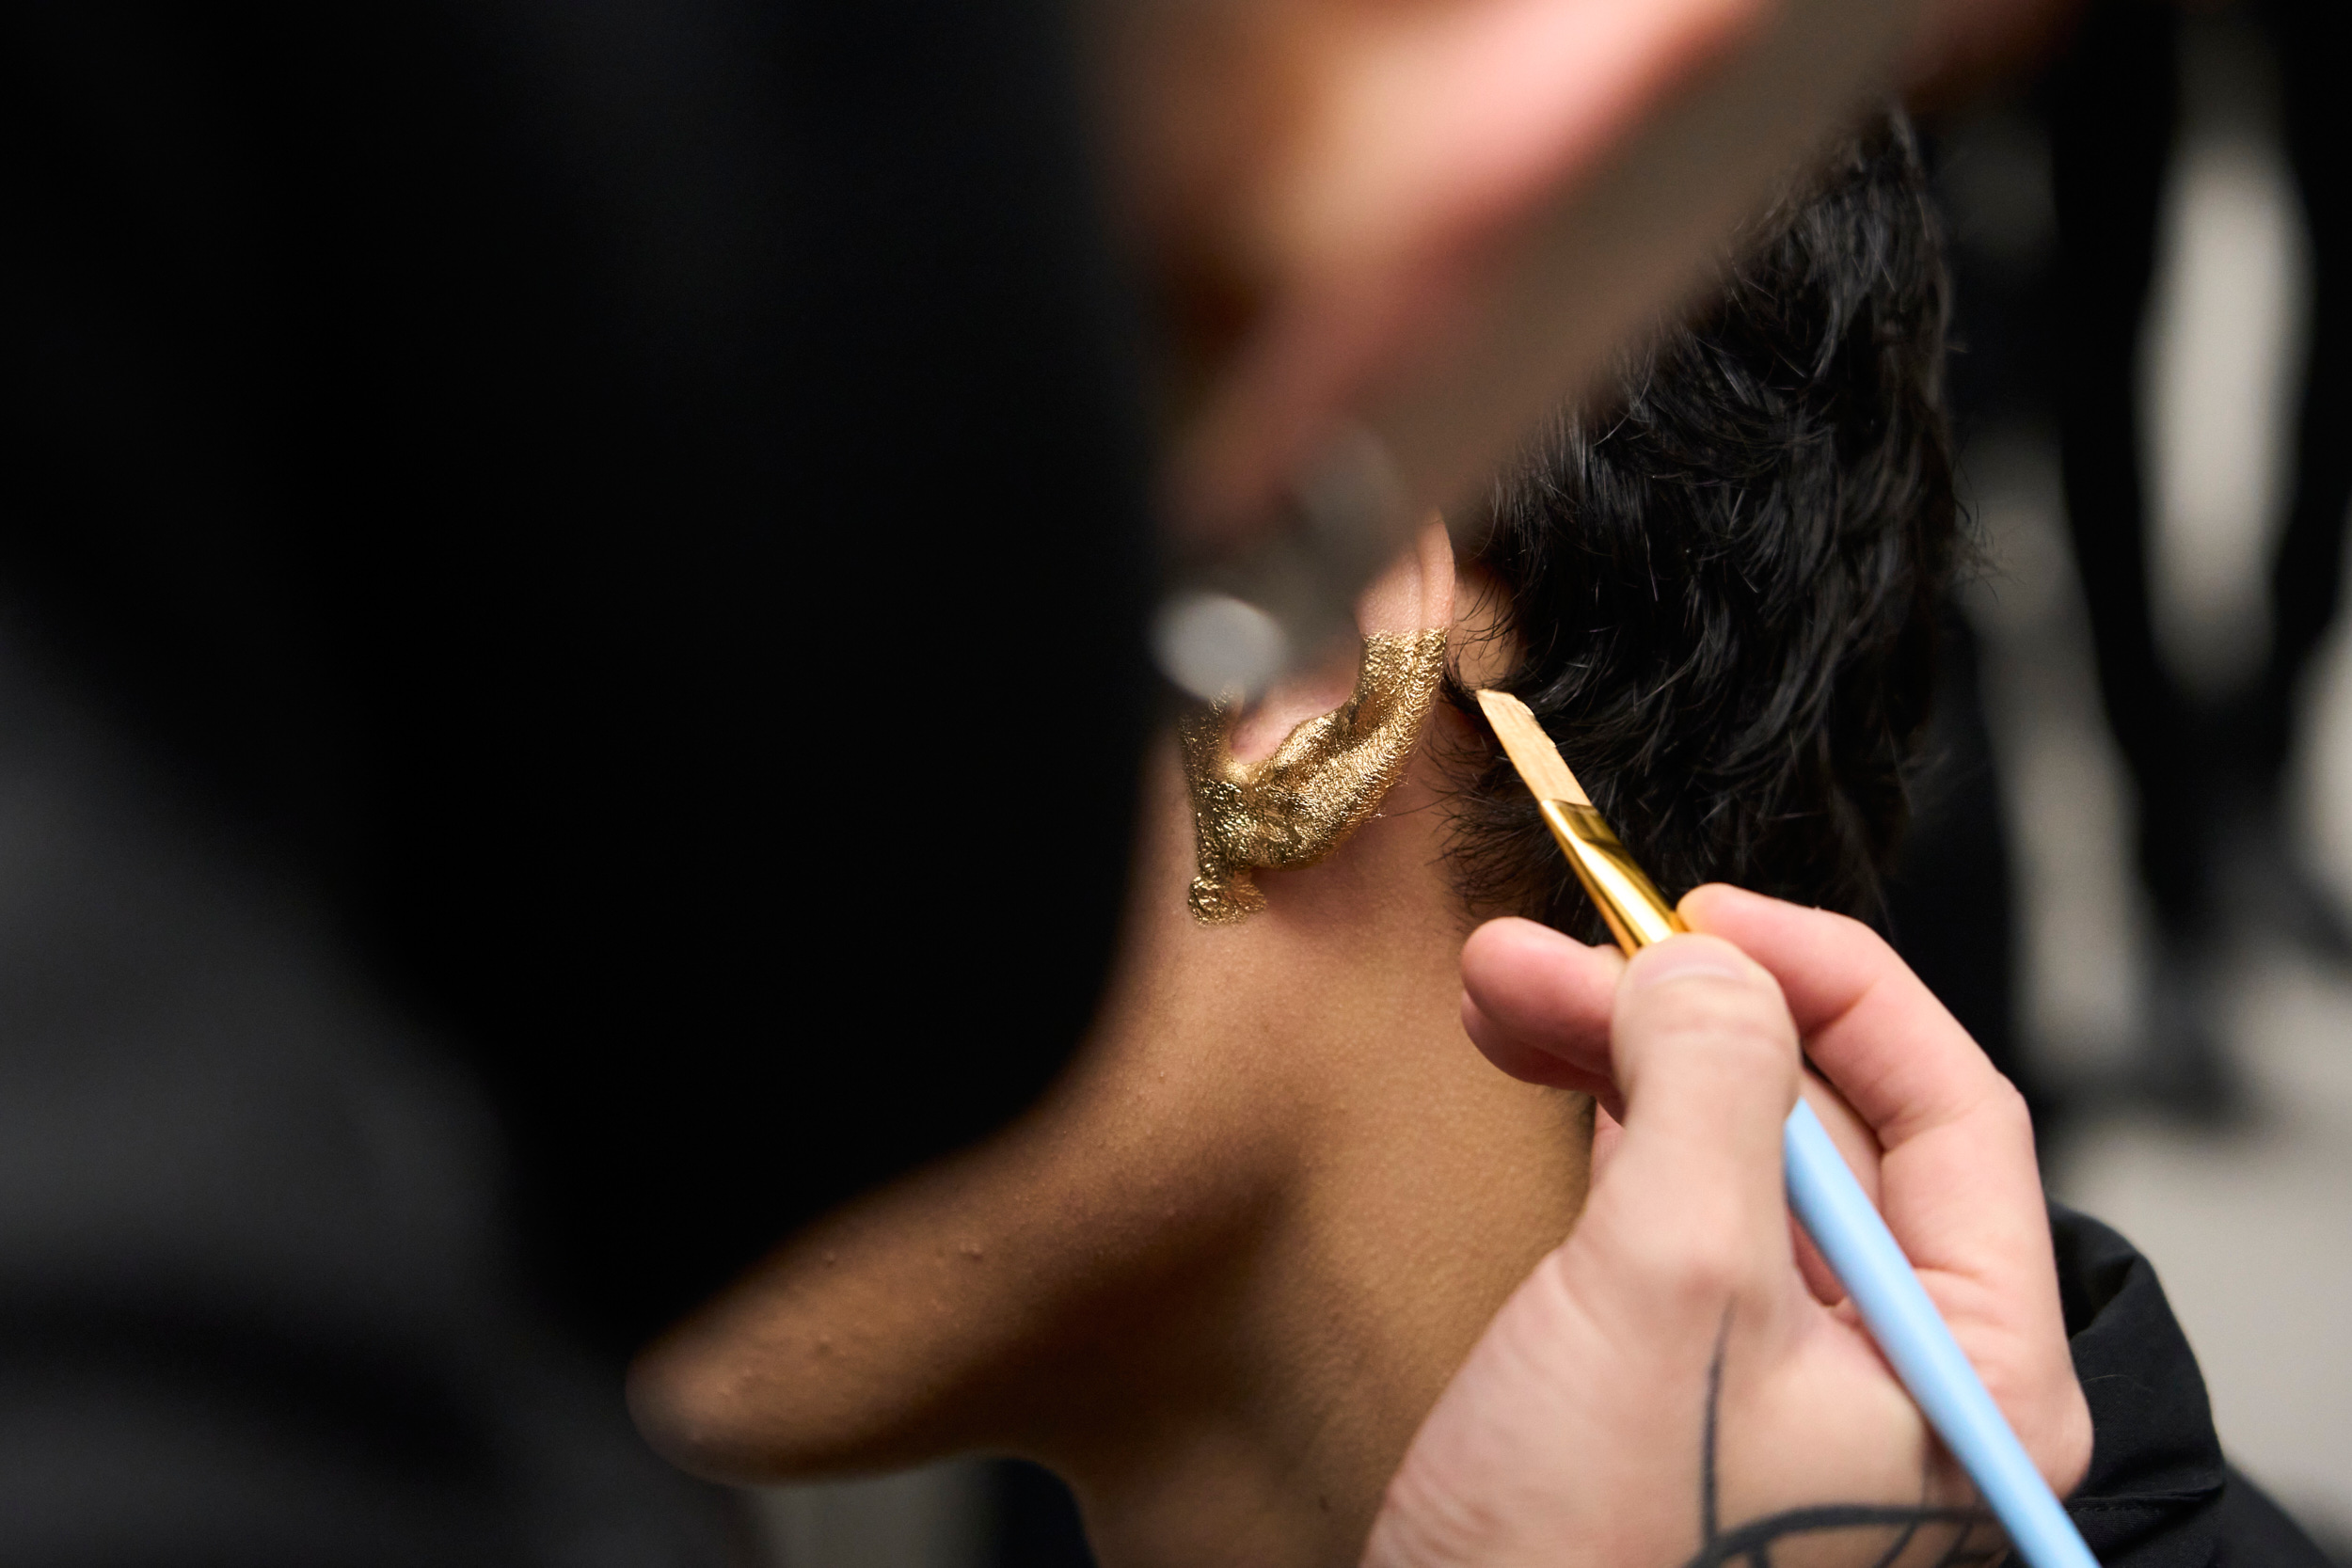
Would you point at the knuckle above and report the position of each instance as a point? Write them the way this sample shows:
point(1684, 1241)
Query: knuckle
point(2005, 1108)
point(2046, 1406)
point(1845, 927)
point(1735, 1027)
point(1752, 1046)
point(1698, 1259)
point(2064, 1456)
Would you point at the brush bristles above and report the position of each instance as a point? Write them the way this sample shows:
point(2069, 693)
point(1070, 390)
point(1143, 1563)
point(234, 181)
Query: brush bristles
point(1531, 750)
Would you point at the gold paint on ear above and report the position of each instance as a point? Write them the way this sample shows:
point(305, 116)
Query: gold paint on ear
point(1326, 778)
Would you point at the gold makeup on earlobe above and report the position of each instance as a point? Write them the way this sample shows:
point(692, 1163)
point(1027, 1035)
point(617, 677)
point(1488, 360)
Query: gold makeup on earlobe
point(1293, 808)
point(1638, 914)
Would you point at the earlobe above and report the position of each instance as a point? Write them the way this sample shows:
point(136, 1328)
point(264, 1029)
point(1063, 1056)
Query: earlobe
point(1293, 807)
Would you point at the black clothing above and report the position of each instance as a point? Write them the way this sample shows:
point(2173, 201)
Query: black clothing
point(258, 1299)
point(2160, 1494)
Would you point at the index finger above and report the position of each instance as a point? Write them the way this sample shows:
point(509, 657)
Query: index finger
point(1959, 1184)
point(1869, 1024)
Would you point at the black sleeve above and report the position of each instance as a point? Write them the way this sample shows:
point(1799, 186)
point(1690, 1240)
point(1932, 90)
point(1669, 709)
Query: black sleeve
point(2160, 1494)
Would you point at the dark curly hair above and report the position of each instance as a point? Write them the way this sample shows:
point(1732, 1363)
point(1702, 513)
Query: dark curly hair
point(1725, 581)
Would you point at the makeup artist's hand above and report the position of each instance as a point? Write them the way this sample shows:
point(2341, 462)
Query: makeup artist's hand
point(1433, 220)
point(1679, 1382)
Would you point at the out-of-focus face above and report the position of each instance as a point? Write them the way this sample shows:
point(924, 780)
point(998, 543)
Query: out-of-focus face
point(1219, 1275)
point(1433, 219)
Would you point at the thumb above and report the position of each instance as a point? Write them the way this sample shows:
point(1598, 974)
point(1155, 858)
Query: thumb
point(1688, 1213)
point(1605, 1349)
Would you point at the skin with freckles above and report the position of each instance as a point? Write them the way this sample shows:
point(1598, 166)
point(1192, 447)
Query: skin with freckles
point(1220, 1275)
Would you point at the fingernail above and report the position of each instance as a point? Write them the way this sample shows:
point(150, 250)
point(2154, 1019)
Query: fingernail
point(1679, 959)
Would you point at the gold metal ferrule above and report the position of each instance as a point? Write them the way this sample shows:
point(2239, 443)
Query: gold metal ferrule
point(1637, 913)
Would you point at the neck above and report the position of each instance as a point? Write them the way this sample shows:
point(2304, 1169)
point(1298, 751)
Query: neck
point(1221, 1273)
point(1383, 1189)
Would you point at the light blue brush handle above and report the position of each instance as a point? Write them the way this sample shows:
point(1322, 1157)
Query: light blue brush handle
point(1896, 1309)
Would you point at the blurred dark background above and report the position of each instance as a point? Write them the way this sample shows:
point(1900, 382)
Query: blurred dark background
point(494, 496)
point(440, 596)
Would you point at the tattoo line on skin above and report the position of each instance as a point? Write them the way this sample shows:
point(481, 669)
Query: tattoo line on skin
point(1754, 1540)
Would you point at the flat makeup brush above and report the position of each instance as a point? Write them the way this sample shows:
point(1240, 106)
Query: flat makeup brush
point(1827, 1199)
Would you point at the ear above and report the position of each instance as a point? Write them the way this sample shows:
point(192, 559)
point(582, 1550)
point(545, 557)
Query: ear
point(1415, 593)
